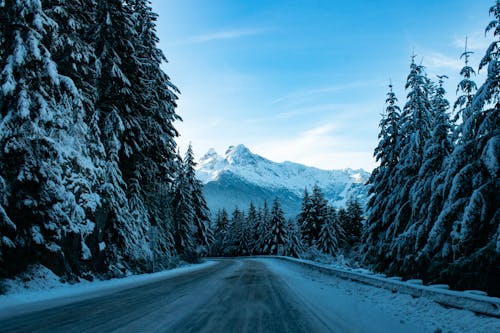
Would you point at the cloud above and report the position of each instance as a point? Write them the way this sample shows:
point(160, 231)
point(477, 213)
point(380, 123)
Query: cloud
point(435, 61)
point(320, 146)
point(223, 35)
point(476, 42)
point(302, 95)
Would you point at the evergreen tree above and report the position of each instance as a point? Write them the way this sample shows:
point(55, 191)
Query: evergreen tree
point(252, 224)
point(415, 128)
point(264, 227)
point(382, 182)
point(121, 231)
point(154, 116)
point(201, 214)
point(220, 233)
point(278, 234)
point(330, 234)
point(467, 86)
point(464, 239)
point(183, 213)
point(304, 219)
point(43, 168)
point(313, 215)
point(351, 222)
point(430, 179)
point(236, 240)
point(294, 245)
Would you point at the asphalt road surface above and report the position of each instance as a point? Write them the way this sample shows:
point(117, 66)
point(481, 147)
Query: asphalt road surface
point(239, 295)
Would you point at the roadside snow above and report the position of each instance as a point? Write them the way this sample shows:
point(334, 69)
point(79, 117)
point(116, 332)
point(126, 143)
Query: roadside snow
point(45, 290)
point(375, 309)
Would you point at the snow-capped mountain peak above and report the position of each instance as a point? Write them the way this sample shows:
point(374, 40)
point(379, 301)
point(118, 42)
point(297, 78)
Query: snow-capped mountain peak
point(240, 155)
point(240, 165)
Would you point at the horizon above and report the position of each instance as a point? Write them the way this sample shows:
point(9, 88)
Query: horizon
point(225, 152)
point(306, 82)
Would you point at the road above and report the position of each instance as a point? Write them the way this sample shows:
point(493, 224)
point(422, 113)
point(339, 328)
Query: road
point(245, 295)
point(231, 296)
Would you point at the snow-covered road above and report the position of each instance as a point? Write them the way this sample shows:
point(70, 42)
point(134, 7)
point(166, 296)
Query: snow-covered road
point(244, 295)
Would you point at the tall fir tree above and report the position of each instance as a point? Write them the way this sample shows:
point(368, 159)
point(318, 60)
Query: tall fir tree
point(331, 234)
point(374, 244)
point(428, 185)
point(313, 216)
point(252, 223)
point(277, 233)
point(294, 244)
point(45, 173)
point(304, 219)
point(415, 129)
point(201, 216)
point(467, 86)
point(221, 227)
point(352, 223)
point(464, 239)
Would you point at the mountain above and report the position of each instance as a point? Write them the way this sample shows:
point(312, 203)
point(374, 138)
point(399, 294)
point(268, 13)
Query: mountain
point(240, 176)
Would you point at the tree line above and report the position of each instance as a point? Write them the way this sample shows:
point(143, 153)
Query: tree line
point(266, 231)
point(90, 178)
point(434, 207)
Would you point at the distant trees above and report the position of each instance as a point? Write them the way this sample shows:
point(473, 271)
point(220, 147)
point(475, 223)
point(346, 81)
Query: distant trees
point(434, 210)
point(266, 231)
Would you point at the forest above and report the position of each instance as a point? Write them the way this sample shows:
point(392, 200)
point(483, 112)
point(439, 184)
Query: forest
point(92, 183)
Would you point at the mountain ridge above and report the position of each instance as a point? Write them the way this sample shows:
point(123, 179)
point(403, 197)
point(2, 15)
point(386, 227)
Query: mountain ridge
point(240, 176)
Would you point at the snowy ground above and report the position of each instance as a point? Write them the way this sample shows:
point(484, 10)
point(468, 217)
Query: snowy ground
point(378, 309)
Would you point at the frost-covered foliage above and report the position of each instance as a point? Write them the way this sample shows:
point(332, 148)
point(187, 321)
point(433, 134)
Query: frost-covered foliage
point(439, 217)
point(277, 234)
point(189, 210)
point(331, 233)
point(89, 179)
point(266, 231)
point(381, 182)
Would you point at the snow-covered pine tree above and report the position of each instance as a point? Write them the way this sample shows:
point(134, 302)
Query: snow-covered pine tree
point(467, 86)
point(264, 227)
point(203, 234)
point(278, 234)
point(221, 227)
point(154, 115)
point(374, 243)
point(121, 234)
point(183, 213)
point(313, 216)
point(252, 223)
point(236, 240)
point(426, 194)
point(331, 233)
point(46, 174)
point(464, 242)
point(415, 129)
point(353, 222)
point(304, 219)
point(294, 245)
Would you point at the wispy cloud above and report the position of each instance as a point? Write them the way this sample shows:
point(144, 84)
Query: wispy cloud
point(323, 146)
point(436, 61)
point(475, 42)
point(223, 35)
point(329, 89)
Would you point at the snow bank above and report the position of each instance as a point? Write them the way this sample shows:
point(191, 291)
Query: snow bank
point(351, 306)
point(467, 300)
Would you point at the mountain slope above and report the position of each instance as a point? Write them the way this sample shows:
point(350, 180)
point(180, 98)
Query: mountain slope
point(240, 176)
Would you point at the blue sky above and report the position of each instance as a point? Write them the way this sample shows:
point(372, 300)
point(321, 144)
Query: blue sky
point(305, 81)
